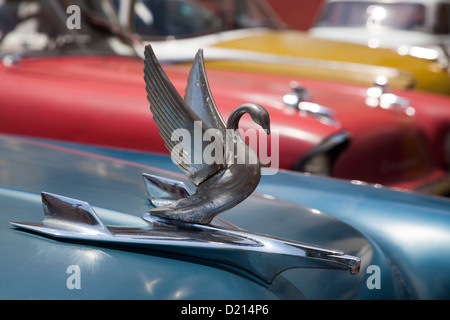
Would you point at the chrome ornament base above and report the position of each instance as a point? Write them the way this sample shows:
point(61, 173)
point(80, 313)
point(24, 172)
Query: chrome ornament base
point(220, 242)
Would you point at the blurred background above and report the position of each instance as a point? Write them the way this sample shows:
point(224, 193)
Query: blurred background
point(358, 111)
point(304, 15)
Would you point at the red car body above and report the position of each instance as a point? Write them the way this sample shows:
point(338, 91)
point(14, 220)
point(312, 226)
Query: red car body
point(423, 158)
point(101, 100)
point(83, 82)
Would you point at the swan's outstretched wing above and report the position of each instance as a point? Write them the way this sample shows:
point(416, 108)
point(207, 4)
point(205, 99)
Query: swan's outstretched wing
point(198, 95)
point(172, 115)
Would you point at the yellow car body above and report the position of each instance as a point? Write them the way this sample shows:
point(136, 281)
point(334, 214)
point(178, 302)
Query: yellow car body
point(248, 36)
point(299, 54)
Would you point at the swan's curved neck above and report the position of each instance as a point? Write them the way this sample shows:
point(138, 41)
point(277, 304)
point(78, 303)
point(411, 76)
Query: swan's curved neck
point(236, 115)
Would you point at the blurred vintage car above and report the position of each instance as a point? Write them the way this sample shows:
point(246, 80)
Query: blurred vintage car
point(402, 239)
point(419, 28)
point(246, 35)
point(80, 85)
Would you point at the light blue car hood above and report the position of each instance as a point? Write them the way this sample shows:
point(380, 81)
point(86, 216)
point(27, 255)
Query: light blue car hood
point(33, 266)
point(412, 229)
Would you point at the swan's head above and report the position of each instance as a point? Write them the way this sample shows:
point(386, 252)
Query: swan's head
point(262, 118)
point(258, 113)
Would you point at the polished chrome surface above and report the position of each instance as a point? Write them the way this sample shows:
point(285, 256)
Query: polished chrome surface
point(162, 191)
point(257, 254)
point(221, 184)
point(299, 93)
point(301, 99)
point(380, 95)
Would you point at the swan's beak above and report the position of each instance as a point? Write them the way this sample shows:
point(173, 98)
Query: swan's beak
point(266, 124)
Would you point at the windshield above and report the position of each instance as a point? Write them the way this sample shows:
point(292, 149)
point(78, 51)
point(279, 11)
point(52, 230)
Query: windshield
point(186, 18)
point(374, 15)
point(37, 27)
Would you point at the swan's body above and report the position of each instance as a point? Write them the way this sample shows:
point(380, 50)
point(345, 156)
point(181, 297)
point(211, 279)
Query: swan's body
point(220, 186)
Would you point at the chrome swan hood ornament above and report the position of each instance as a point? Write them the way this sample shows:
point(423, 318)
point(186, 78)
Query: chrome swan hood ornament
point(234, 173)
point(184, 222)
